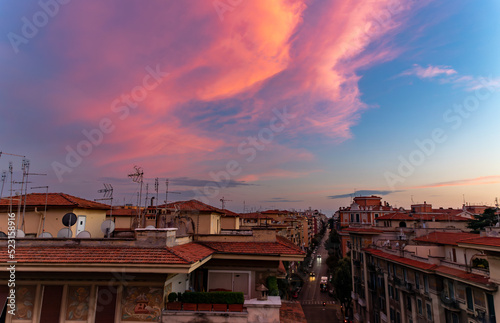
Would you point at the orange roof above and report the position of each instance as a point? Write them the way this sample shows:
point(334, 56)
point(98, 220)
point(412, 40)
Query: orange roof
point(282, 246)
point(254, 216)
point(362, 230)
point(398, 216)
point(123, 212)
point(401, 260)
point(446, 238)
point(462, 274)
point(483, 241)
point(106, 254)
point(55, 199)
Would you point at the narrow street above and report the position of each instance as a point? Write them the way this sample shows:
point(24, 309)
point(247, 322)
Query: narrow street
point(311, 298)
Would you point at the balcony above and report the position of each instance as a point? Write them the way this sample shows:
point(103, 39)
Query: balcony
point(362, 302)
point(354, 296)
point(449, 303)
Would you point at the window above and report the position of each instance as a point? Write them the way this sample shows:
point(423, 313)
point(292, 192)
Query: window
point(451, 290)
point(426, 284)
point(419, 305)
point(470, 302)
point(391, 291)
point(352, 217)
point(357, 217)
point(429, 311)
point(405, 275)
point(392, 314)
point(417, 280)
point(396, 294)
point(398, 317)
point(376, 215)
point(408, 303)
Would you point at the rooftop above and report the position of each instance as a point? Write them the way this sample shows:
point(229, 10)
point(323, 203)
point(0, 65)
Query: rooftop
point(55, 199)
point(446, 238)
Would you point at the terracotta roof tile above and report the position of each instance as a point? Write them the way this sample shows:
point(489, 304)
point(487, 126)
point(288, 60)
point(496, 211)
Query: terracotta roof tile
point(362, 230)
point(101, 255)
point(483, 241)
point(446, 238)
point(462, 274)
point(282, 246)
point(401, 260)
point(56, 199)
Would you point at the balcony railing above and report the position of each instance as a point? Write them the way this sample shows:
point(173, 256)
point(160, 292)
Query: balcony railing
point(448, 302)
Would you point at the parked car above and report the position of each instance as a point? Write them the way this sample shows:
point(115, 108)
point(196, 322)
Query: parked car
point(312, 274)
point(319, 256)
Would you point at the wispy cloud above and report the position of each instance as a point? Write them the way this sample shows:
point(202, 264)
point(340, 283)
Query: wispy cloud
point(192, 182)
point(483, 180)
point(280, 200)
point(446, 74)
point(362, 193)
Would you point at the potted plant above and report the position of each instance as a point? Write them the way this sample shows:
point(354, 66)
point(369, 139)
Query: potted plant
point(235, 302)
point(173, 304)
point(188, 301)
point(204, 302)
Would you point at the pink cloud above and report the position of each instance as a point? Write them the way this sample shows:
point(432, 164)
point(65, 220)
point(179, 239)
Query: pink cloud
point(430, 71)
point(483, 180)
point(225, 77)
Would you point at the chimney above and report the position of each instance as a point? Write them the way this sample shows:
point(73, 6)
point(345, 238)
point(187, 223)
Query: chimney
point(163, 237)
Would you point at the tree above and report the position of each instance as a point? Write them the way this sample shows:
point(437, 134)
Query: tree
point(342, 283)
point(487, 219)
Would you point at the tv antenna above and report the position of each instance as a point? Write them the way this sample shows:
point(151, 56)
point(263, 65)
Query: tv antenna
point(166, 192)
point(108, 195)
point(45, 211)
point(138, 177)
point(223, 202)
point(4, 177)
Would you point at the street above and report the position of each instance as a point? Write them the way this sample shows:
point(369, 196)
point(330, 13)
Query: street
point(311, 298)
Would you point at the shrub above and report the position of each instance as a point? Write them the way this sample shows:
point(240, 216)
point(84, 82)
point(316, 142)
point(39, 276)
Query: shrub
point(172, 297)
point(213, 297)
point(179, 296)
point(272, 285)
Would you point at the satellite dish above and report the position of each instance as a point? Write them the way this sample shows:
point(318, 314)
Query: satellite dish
point(107, 226)
point(20, 234)
point(83, 234)
point(45, 235)
point(2, 234)
point(69, 219)
point(150, 227)
point(65, 233)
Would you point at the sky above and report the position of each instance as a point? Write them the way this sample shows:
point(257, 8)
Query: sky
point(286, 104)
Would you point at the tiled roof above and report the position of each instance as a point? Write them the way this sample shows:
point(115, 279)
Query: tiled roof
point(484, 241)
point(362, 230)
point(229, 213)
point(192, 205)
point(254, 216)
point(398, 216)
point(443, 270)
point(56, 199)
point(282, 246)
point(462, 274)
point(192, 252)
point(401, 260)
point(446, 238)
point(182, 254)
point(103, 255)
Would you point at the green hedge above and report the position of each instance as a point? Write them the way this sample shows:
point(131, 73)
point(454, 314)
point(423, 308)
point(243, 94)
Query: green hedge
point(172, 297)
point(272, 285)
point(213, 297)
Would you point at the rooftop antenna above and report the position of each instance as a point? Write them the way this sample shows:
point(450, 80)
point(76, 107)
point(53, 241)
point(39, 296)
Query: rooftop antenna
point(11, 181)
point(4, 176)
point(412, 200)
point(244, 207)
point(496, 210)
point(45, 211)
point(166, 193)
point(156, 190)
point(108, 195)
point(26, 189)
point(223, 202)
point(138, 177)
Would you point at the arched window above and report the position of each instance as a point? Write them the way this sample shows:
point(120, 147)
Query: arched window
point(402, 224)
